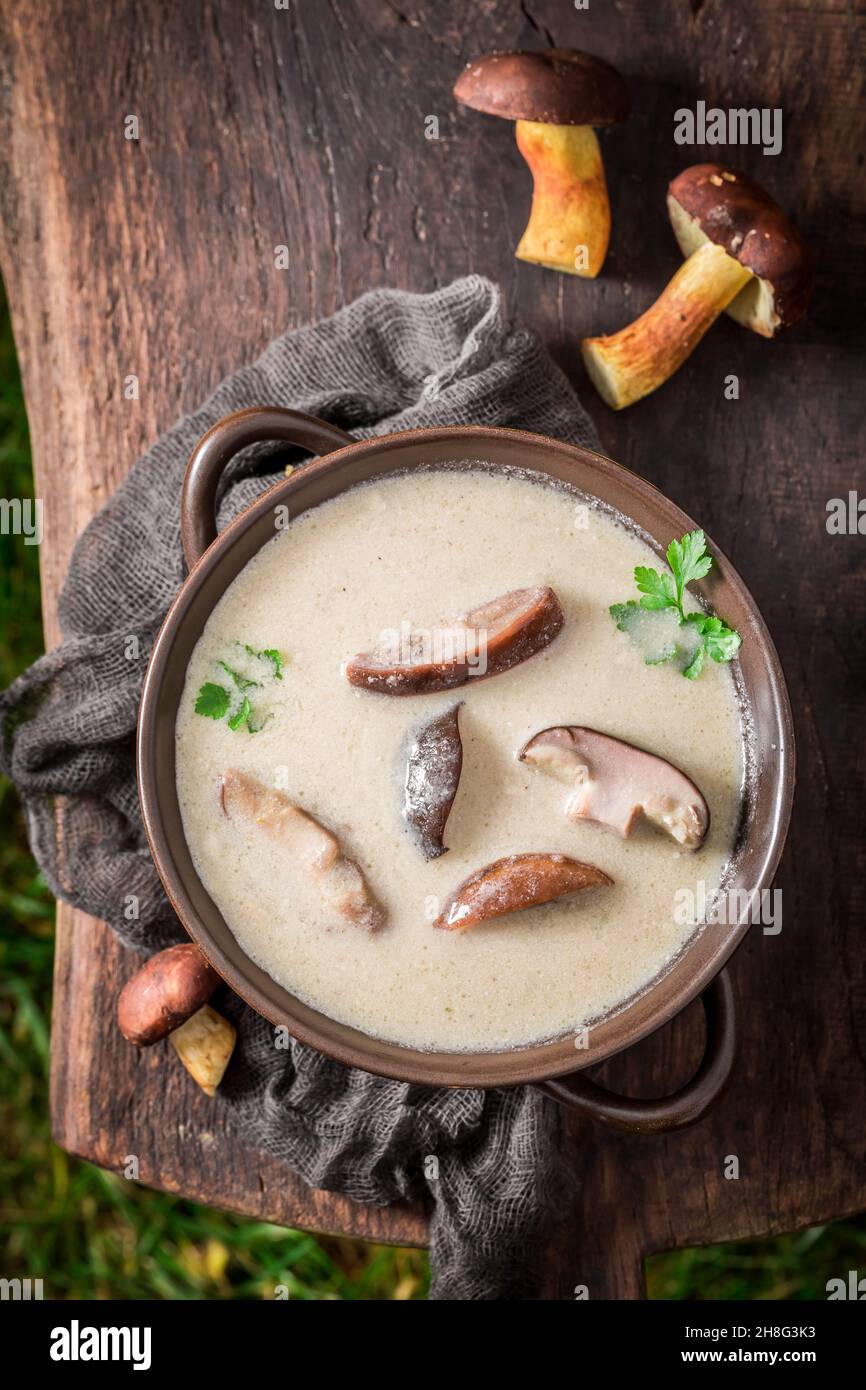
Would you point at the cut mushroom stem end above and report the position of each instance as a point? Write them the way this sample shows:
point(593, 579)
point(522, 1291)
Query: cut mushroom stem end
point(569, 225)
point(205, 1044)
point(628, 365)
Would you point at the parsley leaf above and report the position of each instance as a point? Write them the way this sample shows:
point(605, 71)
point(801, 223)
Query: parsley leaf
point(660, 590)
point(240, 681)
point(269, 654)
point(241, 715)
point(695, 666)
point(657, 589)
point(688, 560)
point(721, 642)
point(621, 612)
point(212, 701)
point(276, 661)
point(630, 617)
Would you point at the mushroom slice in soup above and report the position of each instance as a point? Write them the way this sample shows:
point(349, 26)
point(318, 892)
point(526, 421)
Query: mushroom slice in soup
point(485, 641)
point(516, 882)
point(434, 760)
point(613, 783)
point(313, 850)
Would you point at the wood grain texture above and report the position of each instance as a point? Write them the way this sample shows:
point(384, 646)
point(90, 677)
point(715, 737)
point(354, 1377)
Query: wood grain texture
point(306, 127)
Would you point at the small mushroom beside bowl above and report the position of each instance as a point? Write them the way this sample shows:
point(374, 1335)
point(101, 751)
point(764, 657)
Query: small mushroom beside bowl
point(168, 998)
point(743, 257)
point(556, 96)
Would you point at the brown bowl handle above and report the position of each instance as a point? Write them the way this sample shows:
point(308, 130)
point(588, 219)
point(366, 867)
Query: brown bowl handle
point(684, 1108)
point(216, 449)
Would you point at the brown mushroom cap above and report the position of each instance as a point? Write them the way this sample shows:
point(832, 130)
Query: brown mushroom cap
point(516, 882)
point(164, 993)
point(557, 86)
point(739, 215)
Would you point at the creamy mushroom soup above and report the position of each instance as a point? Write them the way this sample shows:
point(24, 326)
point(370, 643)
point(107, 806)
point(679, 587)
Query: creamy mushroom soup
point(292, 780)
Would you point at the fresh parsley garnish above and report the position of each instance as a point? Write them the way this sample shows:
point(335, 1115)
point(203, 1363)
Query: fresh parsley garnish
point(662, 590)
point(622, 612)
point(276, 661)
point(215, 701)
point(240, 681)
point(269, 654)
point(632, 619)
point(657, 589)
point(241, 715)
point(212, 701)
point(719, 641)
point(695, 666)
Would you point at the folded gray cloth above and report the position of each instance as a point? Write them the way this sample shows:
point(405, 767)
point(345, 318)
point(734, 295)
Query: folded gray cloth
point(390, 361)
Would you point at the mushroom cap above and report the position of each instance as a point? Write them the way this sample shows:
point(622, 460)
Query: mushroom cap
point(516, 882)
point(739, 215)
point(556, 86)
point(164, 993)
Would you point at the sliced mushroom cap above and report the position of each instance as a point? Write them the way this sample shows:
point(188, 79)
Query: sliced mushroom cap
point(613, 783)
point(516, 882)
point(486, 641)
point(712, 202)
point(164, 993)
point(558, 86)
point(434, 761)
point(313, 850)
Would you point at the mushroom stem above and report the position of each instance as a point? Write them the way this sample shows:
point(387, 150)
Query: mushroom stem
point(205, 1044)
point(630, 364)
point(569, 225)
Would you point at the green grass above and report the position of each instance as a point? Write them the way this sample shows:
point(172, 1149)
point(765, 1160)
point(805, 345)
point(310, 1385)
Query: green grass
point(89, 1234)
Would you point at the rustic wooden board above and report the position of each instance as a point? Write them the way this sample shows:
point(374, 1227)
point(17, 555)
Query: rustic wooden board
point(306, 127)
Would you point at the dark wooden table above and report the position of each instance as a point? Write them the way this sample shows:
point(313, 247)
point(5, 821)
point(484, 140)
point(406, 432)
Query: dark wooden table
point(306, 127)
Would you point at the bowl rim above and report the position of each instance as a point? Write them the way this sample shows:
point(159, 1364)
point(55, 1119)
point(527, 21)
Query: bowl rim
point(547, 1058)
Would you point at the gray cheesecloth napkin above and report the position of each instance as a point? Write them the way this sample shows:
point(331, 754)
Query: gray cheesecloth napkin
point(390, 361)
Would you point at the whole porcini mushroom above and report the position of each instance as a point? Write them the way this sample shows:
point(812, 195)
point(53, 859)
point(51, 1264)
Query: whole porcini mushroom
point(613, 783)
point(743, 256)
point(556, 96)
point(168, 997)
point(753, 228)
